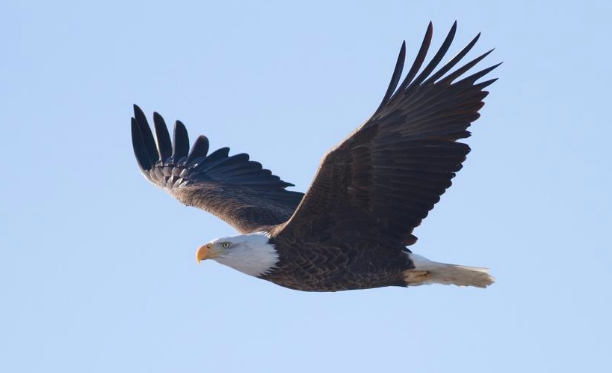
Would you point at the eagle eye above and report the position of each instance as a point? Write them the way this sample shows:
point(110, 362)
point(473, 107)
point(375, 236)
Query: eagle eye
point(225, 245)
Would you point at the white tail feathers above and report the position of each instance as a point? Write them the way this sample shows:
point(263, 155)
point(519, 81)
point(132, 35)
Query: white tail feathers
point(429, 272)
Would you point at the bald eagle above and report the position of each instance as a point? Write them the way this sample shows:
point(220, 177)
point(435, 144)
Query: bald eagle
point(352, 227)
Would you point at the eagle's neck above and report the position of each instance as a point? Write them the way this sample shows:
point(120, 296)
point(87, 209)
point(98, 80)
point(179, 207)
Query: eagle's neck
point(252, 254)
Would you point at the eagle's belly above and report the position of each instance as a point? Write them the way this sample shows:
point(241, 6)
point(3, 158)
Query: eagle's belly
point(339, 268)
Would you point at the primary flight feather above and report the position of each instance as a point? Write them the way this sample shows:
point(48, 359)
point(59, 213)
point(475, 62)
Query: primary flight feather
point(351, 229)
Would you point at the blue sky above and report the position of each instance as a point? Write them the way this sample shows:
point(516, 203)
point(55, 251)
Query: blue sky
point(98, 267)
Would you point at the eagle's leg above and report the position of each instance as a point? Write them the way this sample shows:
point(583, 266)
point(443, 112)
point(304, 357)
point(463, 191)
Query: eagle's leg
point(415, 277)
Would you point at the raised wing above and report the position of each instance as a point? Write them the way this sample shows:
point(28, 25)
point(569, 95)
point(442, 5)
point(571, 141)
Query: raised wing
point(381, 182)
point(233, 188)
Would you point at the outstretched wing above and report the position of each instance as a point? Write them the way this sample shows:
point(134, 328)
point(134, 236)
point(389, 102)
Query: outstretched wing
point(233, 188)
point(381, 182)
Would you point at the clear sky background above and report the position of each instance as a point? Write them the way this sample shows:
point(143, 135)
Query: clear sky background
point(98, 270)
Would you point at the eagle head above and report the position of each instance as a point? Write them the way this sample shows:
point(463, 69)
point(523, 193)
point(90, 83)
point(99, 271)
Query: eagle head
point(252, 253)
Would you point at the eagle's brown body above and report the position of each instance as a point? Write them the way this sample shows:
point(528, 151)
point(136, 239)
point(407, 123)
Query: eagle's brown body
point(339, 266)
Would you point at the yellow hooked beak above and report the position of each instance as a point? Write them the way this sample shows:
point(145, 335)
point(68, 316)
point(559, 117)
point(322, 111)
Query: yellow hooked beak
point(206, 252)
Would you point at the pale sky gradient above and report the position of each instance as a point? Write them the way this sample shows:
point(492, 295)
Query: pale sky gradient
point(98, 270)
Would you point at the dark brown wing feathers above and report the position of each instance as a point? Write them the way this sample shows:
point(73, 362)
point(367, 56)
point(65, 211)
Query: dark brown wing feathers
point(234, 188)
point(381, 182)
point(376, 186)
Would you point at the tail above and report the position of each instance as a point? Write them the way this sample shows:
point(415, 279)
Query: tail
point(429, 272)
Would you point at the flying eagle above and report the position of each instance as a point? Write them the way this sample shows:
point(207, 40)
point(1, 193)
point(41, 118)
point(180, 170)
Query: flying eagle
point(352, 228)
